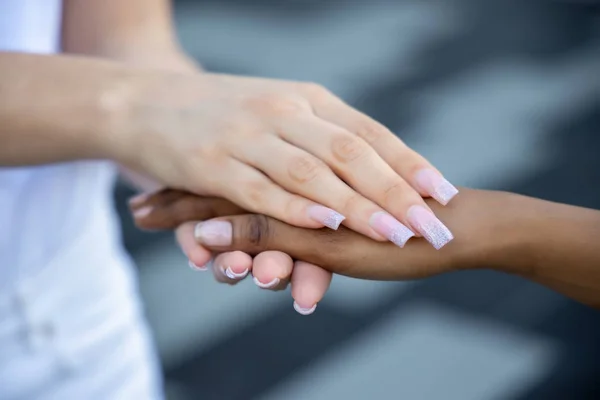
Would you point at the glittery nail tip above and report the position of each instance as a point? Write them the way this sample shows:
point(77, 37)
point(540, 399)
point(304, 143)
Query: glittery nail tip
point(432, 229)
point(444, 192)
point(326, 216)
point(400, 235)
point(438, 235)
point(333, 220)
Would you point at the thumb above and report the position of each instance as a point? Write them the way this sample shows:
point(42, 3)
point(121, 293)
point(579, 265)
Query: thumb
point(254, 233)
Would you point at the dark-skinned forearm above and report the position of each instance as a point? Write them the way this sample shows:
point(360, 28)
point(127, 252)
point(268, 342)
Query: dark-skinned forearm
point(556, 245)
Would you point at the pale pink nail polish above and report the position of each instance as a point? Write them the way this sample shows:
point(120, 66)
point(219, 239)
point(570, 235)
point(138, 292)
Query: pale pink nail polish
point(234, 275)
point(214, 233)
point(274, 282)
point(328, 217)
point(392, 229)
point(428, 225)
point(436, 185)
point(304, 311)
point(138, 199)
point(197, 267)
point(142, 212)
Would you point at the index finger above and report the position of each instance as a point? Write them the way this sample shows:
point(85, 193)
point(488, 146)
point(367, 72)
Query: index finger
point(413, 167)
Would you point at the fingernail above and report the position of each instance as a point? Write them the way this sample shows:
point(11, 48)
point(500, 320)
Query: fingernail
point(197, 267)
point(138, 199)
point(268, 285)
point(142, 212)
point(234, 275)
point(436, 185)
point(392, 229)
point(328, 217)
point(427, 224)
point(304, 311)
point(214, 233)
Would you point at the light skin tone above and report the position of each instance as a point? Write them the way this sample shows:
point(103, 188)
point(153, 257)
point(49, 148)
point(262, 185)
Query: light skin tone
point(290, 150)
point(549, 243)
point(111, 30)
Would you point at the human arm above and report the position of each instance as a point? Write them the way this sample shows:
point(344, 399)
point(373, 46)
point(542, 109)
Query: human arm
point(550, 243)
point(270, 146)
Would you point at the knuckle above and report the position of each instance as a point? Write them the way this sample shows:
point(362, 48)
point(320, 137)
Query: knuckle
point(351, 203)
point(347, 148)
point(316, 92)
point(257, 229)
point(255, 192)
point(303, 169)
point(370, 131)
point(393, 191)
point(274, 104)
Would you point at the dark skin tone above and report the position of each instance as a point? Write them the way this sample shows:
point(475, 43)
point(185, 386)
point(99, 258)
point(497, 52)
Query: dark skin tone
point(553, 244)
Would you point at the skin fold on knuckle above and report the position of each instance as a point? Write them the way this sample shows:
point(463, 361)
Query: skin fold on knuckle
point(370, 131)
point(305, 169)
point(394, 191)
point(256, 231)
point(347, 148)
point(273, 104)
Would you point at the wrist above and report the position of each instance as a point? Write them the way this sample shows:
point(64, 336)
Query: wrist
point(127, 102)
point(494, 231)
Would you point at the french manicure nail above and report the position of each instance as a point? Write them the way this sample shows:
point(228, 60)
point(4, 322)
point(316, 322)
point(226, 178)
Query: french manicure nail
point(138, 199)
point(214, 233)
point(304, 311)
point(436, 185)
point(274, 282)
point(233, 275)
point(197, 267)
point(142, 212)
point(388, 226)
point(427, 224)
point(328, 217)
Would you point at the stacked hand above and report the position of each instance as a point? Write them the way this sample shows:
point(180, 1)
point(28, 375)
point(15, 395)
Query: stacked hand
point(291, 151)
point(237, 236)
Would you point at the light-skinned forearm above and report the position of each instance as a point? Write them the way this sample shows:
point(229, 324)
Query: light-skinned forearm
point(139, 33)
point(58, 108)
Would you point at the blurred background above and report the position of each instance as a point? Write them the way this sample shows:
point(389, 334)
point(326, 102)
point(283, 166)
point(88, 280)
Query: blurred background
point(501, 94)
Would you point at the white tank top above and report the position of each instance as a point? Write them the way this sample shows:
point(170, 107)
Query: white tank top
point(44, 209)
point(71, 325)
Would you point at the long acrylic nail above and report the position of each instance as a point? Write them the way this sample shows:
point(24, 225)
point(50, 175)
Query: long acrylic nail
point(328, 217)
point(436, 185)
point(138, 199)
point(234, 275)
point(142, 212)
point(214, 233)
point(197, 267)
point(427, 224)
point(388, 226)
point(274, 282)
point(304, 311)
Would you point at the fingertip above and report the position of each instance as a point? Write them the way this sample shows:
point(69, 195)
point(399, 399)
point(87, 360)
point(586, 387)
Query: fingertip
point(232, 267)
point(309, 285)
point(271, 266)
point(195, 253)
point(303, 310)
